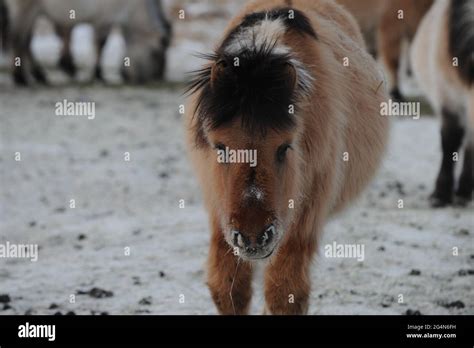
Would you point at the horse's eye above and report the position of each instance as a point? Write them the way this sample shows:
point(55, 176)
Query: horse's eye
point(281, 152)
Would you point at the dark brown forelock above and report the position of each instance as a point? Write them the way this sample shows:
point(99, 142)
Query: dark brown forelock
point(259, 90)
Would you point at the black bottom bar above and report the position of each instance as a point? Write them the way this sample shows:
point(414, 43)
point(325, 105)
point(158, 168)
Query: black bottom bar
point(431, 331)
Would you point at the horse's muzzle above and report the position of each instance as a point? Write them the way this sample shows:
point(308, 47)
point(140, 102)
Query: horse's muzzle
point(256, 247)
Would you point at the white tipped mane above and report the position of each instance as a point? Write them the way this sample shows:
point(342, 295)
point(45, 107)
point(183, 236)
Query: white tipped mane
point(305, 80)
point(262, 33)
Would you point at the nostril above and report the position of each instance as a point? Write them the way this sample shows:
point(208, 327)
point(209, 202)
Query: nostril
point(251, 250)
point(237, 239)
point(235, 236)
point(267, 235)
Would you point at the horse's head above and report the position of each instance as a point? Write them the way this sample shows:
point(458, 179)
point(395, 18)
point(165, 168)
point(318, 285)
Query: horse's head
point(247, 120)
point(147, 60)
point(147, 40)
point(255, 176)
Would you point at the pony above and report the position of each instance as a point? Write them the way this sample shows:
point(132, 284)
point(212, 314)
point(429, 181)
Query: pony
point(291, 83)
point(386, 26)
point(144, 26)
point(443, 58)
point(398, 24)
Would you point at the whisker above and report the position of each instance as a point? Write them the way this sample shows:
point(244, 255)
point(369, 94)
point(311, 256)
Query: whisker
point(228, 251)
point(232, 285)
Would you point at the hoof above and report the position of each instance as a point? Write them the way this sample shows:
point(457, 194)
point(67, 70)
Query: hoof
point(67, 65)
point(438, 201)
point(461, 199)
point(98, 74)
point(40, 76)
point(396, 95)
point(19, 78)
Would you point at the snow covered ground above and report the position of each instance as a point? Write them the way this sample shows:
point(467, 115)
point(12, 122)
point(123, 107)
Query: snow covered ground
point(128, 236)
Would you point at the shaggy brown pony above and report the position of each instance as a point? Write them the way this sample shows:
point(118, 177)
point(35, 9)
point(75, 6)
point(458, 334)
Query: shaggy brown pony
point(443, 61)
point(290, 81)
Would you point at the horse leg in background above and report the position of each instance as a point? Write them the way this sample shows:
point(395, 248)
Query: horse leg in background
point(4, 27)
point(19, 71)
point(466, 180)
point(390, 38)
point(161, 62)
point(101, 34)
point(229, 277)
point(371, 42)
point(66, 60)
point(452, 133)
point(165, 40)
point(24, 60)
point(37, 70)
point(22, 20)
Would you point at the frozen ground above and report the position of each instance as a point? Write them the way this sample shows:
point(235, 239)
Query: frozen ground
point(135, 205)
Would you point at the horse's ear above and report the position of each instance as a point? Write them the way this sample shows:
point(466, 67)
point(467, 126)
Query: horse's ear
point(217, 70)
point(292, 76)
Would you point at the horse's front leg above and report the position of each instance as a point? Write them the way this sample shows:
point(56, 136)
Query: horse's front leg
point(101, 34)
point(66, 60)
point(287, 276)
point(229, 277)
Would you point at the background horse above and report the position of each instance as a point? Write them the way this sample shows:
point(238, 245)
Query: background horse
point(443, 58)
point(278, 84)
point(367, 13)
point(396, 28)
point(145, 29)
point(386, 29)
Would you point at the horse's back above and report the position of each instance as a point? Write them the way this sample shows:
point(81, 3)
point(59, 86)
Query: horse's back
point(90, 11)
point(326, 10)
